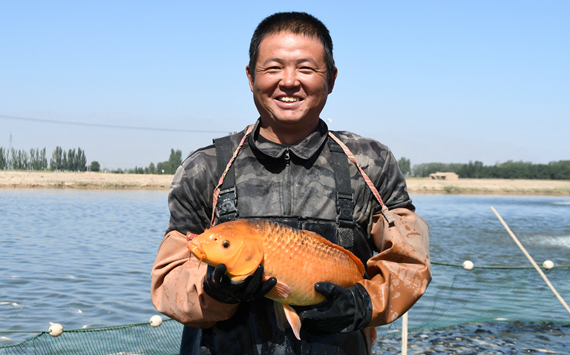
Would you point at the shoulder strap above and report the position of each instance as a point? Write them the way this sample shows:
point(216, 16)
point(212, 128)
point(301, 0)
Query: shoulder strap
point(227, 199)
point(385, 212)
point(225, 192)
point(344, 200)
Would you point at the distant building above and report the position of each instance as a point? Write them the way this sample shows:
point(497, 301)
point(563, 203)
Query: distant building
point(444, 176)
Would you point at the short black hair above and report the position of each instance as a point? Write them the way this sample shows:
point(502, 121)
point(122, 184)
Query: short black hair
point(294, 22)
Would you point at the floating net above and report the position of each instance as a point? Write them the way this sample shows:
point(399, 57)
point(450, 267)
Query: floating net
point(455, 296)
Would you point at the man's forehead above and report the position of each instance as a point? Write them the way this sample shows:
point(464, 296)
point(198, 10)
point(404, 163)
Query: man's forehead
point(284, 34)
point(287, 39)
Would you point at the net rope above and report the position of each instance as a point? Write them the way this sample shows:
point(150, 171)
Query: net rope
point(456, 296)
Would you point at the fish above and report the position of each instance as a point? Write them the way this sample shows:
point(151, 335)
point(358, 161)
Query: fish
point(298, 259)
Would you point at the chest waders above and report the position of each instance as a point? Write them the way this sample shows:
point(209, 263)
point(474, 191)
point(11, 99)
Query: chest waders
point(253, 329)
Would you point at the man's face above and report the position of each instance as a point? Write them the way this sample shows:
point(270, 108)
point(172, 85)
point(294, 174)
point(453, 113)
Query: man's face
point(291, 86)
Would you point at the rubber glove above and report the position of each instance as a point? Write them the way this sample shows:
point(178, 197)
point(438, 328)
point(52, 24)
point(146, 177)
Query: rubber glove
point(219, 286)
point(345, 310)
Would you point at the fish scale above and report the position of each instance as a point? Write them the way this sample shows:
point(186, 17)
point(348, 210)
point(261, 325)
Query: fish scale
point(300, 259)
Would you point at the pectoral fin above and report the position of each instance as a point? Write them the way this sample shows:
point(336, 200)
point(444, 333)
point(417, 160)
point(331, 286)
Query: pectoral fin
point(280, 290)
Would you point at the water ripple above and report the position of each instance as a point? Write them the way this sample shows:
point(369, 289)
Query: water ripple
point(83, 258)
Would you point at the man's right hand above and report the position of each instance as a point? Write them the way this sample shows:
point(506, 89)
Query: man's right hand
point(219, 286)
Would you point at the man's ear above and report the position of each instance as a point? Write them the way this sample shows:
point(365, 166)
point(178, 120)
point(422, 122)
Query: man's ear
point(249, 77)
point(332, 79)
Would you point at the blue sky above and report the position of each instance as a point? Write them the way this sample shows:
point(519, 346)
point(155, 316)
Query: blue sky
point(437, 81)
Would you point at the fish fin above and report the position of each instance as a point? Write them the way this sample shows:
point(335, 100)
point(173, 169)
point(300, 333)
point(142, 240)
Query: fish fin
point(280, 290)
point(293, 319)
point(280, 315)
point(331, 244)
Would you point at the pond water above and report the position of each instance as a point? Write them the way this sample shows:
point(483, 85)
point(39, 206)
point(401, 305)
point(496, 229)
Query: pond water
point(83, 258)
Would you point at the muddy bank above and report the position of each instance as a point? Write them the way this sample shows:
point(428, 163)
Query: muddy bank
point(489, 186)
point(83, 180)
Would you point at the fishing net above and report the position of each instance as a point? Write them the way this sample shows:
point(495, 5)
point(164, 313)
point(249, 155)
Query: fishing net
point(487, 294)
point(456, 296)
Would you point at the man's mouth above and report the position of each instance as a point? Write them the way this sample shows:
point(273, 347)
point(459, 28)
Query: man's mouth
point(288, 99)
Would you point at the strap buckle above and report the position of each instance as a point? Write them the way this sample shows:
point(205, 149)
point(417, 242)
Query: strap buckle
point(344, 207)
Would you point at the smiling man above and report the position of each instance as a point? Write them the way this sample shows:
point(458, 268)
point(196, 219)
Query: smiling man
point(290, 169)
point(290, 82)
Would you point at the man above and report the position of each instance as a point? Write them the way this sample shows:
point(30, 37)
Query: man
point(290, 169)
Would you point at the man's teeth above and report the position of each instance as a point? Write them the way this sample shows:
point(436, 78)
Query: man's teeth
point(289, 99)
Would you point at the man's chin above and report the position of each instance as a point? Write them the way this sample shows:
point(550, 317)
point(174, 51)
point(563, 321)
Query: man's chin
point(292, 121)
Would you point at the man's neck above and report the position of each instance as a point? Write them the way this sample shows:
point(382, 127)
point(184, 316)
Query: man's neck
point(286, 136)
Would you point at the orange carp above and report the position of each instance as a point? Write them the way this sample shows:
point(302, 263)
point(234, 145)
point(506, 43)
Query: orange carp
point(298, 259)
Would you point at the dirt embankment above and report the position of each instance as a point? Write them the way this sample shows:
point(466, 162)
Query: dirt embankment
point(90, 180)
point(84, 180)
point(489, 186)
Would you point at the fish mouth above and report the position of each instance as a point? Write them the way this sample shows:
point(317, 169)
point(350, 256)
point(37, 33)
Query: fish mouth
point(197, 251)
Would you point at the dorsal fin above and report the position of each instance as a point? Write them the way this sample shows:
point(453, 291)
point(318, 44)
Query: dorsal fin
point(323, 240)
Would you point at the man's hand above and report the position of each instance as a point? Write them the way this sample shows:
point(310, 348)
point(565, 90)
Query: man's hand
point(219, 286)
point(343, 311)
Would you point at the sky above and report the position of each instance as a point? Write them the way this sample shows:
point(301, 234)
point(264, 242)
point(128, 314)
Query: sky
point(436, 81)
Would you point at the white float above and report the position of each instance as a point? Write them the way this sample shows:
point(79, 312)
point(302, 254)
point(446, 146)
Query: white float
point(548, 264)
point(55, 330)
point(156, 321)
point(468, 265)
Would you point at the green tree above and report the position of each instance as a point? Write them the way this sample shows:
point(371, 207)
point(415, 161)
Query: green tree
point(151, 168)
point(160, 168)
point(81, 160)
point(65, 162)
point(19, 159)
point(38, 160)
point(43, 159)
point(405, 166)
point(3, 160)
point(172, 164)
point(95, 166)
point(478, 168)
point(175, 160)
point(56, 161)
point(71, 160)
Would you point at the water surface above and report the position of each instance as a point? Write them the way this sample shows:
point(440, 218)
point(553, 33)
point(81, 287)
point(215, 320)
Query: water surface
point(83, 258)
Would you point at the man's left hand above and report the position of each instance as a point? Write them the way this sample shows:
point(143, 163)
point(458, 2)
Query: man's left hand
point(345, 310)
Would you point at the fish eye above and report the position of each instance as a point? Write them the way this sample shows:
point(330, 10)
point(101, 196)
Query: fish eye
point(226, 243)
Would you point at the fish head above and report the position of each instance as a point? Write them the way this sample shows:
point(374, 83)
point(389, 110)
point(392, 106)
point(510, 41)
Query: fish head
point(234, 247)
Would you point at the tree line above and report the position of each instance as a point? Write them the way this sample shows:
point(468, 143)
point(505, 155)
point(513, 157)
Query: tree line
point(166, 167)
point(12, 159)
point(76, 160)
point(555, 170)
point(36, 159)
point(71, 160)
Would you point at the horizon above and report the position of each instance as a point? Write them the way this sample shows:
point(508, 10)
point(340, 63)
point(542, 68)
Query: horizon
point(445, 82)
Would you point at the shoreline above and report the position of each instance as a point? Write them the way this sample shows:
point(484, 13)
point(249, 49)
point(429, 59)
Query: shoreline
point(108, 181)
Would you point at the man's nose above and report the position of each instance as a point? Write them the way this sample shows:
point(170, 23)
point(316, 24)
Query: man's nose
point(289, 78)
